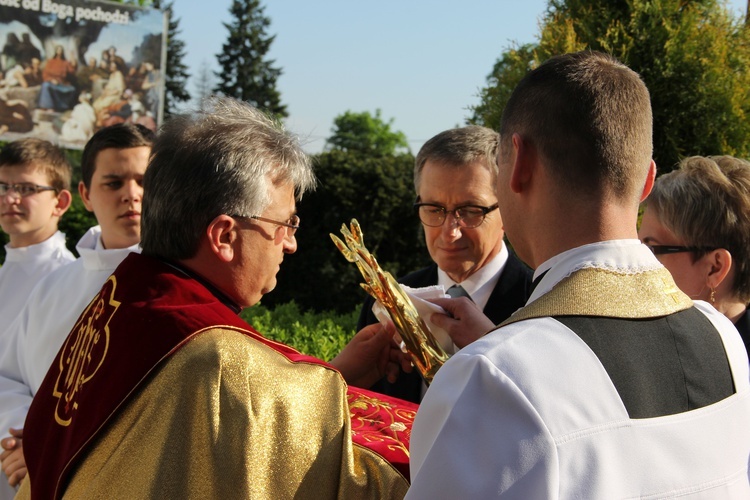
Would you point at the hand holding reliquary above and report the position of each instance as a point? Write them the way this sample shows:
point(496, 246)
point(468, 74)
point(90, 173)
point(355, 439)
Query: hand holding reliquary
point(426, 353)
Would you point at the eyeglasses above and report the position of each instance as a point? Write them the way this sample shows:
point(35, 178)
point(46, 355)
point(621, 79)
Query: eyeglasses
point(291, 225)
point(664, 249)
point(23, 189)
point(468, 216)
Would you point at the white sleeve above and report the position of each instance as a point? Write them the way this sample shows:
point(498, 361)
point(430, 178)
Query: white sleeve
point(477, 436)
point(15, 395)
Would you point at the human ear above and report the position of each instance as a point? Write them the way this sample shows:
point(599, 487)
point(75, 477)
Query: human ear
point(84, 192)
point(64, 199)
point(222, 237)
point(650, 179)
point(720, 263)
point(522, 164)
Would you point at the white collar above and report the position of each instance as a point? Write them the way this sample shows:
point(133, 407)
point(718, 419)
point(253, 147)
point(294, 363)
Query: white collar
point(95, 256)
point(624, 256)
point(483, 280)
point(36, 252)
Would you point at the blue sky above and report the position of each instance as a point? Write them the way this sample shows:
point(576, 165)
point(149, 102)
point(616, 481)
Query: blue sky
point(422, 62)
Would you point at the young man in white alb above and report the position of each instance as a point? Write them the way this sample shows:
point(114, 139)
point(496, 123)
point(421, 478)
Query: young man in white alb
point(113, 164)
point(34, 194)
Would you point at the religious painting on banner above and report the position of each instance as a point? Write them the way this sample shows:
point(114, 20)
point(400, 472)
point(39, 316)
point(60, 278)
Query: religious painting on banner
point(71, 67)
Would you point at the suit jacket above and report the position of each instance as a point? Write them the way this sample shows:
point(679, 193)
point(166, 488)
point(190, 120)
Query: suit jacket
point(511, 292)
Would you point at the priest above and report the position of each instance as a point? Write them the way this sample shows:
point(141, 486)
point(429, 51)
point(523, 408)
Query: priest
point(162, 391)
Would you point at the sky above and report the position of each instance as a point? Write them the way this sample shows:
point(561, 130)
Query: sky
point(421, 62)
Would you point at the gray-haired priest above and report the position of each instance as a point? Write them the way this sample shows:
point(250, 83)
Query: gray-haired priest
point(162, 391)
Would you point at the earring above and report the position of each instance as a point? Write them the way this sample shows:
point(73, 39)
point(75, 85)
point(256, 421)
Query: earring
point(712, 298)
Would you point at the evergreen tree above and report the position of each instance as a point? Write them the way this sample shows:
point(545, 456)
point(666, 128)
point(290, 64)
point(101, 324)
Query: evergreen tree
point(203, 84)
point(245, 73)
point(175, 84)
point(693, 56)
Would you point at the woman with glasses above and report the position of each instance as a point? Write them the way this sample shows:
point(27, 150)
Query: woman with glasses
point(697, 223)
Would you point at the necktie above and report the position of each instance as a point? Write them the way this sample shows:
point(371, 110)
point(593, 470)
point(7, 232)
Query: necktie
point(457, 291)
point(536, 281)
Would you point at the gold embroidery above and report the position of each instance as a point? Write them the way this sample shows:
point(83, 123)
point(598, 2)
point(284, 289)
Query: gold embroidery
point(84, 352)
point(602, 292)
point(379, 421)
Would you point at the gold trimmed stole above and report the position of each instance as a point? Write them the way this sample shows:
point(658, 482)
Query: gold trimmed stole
point(595, 291)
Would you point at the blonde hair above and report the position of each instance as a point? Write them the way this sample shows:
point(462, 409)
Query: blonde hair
point(706, 203)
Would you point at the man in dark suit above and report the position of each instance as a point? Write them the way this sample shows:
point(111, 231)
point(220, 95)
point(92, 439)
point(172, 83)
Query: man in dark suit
point(455, 174)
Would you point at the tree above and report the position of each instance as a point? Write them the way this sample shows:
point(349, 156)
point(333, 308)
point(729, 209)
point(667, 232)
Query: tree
point(175, 84)
point(203, 83)
point(693, 56)
point(246, 74)
point(366, 134)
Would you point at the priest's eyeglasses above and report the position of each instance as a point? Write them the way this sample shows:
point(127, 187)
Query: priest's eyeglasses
point(467, 216)
point(23, 189)
point(665, 249)
point(285, 229)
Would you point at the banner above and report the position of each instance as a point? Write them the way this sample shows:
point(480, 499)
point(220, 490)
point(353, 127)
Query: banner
point(71, 67)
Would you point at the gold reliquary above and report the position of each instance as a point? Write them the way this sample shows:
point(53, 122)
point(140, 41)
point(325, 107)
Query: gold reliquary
point(425, 351)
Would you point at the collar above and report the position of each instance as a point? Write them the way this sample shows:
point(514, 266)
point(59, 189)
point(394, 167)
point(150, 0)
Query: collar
point(221, 296)
point(36, 252)
point(97, 258)
point(483, 281)
point(623, 256)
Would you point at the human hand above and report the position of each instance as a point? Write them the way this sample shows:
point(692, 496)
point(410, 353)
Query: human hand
point(464, 321)
point(13, 461)
point(370, 355)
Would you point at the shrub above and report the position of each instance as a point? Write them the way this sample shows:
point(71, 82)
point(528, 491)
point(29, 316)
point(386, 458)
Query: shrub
point(321, 335)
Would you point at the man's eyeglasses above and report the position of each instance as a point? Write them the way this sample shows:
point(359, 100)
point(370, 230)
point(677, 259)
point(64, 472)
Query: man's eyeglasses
point(290, 225)
point(23, 189)
point(665, 249)
point(466, 216)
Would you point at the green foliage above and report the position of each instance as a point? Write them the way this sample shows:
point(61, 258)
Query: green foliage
point(76, 221)
point(322, 335)
point(693, 56)
point(379, 193)
point(366, 134)
point(175, 84)
point(245, 72)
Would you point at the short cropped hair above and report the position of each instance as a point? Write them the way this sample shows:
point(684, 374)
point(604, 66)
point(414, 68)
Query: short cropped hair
point(120, 136)
point(589, 117)
point(706, 203)
point(220, 160)
point(43, 155)
point(459, 147)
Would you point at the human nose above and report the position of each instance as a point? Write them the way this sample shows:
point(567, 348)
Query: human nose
point(451, 227)
point(133, 191)
point(11, 195)
point(290, 244)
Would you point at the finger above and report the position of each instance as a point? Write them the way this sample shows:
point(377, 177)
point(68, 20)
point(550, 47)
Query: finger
point(372, 333)
point(392, 372)
point(16, 432)
point(447, 304)
point(442, 321)
point(8, 443)
point(16, 478)
point(380, 339)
